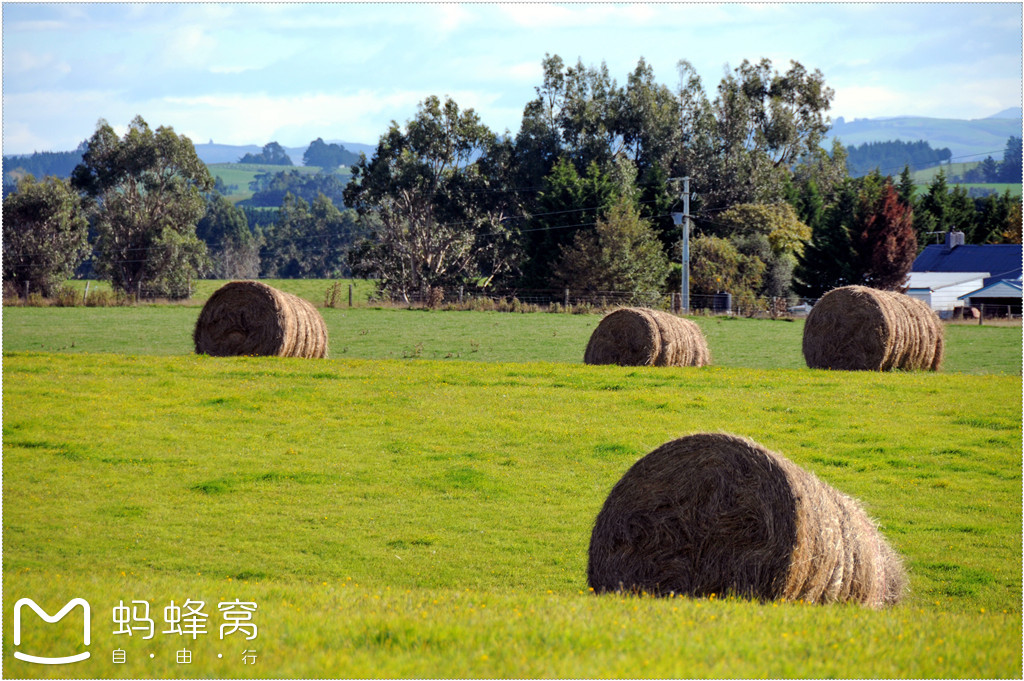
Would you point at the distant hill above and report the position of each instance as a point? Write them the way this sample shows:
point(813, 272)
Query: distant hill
point(41, 164)
point(967, 140)
point(1013, 112)
point(354, 147)
point(62, 163)
point(225, 153)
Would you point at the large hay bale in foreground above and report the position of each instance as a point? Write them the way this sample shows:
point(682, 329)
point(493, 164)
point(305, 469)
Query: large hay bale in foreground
point(634, 336)
point(861, 328)
point(720, 514)
point(251, 318)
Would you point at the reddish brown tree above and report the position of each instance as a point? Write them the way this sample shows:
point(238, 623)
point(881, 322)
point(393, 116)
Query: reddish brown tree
point(886, 242)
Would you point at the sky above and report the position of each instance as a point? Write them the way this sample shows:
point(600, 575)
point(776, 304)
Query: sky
point(254, 73)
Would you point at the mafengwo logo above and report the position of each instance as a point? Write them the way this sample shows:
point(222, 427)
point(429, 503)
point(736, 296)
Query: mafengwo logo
point(50, 619)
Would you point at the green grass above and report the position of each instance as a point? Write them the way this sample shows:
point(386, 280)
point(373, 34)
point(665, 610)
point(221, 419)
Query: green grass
point(431, 518)
point(926, 175)
point(922, 178)
point(241, 174)
point(1000, 187)
point(479, 336)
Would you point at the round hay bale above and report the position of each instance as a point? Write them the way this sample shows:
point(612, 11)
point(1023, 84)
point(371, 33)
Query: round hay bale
point(634, 336)
point(861, 328)
point(933, 341)
point(718, 514)
point(251, 318)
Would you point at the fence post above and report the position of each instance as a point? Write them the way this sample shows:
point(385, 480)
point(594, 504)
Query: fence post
point(138, 292)
point(26, 290)
point(981, 314)
point(566, 297)
point(460, 294)
point(85, 296)
point(350, 295)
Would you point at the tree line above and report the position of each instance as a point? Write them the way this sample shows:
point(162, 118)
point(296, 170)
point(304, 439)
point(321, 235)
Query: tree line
point(991, 171)
point(320, 154)
point(40, 164)
point(142, 212)
point(269, 189)
point(327, 157)
point(581, 196)
point(893, 155)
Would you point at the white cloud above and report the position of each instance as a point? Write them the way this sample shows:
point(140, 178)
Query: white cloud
point(256, 118)
point(19, 62)
point(869, 101)
point(524, 72)
point(230, 70)
point(976, 99)
point(496, 68)
point(854, 63)
point(190, 46)
point(451, 17)
point(374, 63)
point(19, 139)
point(40, 25)
point(60, 120)
point(49, 120)
point(551, 17)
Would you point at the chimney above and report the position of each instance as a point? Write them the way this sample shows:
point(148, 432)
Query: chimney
point(954, 239)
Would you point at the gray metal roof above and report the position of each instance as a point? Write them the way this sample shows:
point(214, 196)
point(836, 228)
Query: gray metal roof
point(1004, 288)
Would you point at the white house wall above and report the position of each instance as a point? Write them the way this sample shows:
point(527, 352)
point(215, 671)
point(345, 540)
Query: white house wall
point(942, 289)
point(945, 299)
point(922, 294)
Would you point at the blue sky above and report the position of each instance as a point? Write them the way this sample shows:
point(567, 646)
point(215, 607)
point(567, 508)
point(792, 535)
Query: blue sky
point(253, 73)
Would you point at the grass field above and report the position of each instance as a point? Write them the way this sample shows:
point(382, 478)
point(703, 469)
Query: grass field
point(922, 178)
point(429, 518)
point(926, 175)
point(241, 174)
point(397, 511)
point(1000, 187)
point(997, 187)
point(370, 333)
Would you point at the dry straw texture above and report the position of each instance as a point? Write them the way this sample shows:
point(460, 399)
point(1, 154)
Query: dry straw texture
point(250, 318)
point(642, 337)
point(718, 514)
point(860, 328)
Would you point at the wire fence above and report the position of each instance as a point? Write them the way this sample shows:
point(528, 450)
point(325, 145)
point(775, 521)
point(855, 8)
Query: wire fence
point(982, 312)
point(567, 299)
point(518, 300)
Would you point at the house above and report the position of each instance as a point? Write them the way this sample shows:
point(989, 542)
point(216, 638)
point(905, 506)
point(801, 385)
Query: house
point(1002, 297)
point(942, 291)
point(951, 275)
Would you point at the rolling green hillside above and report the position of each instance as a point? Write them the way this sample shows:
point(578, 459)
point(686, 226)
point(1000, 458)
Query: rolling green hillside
point(968, 140)
point(922, 178)
point(241, 174)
